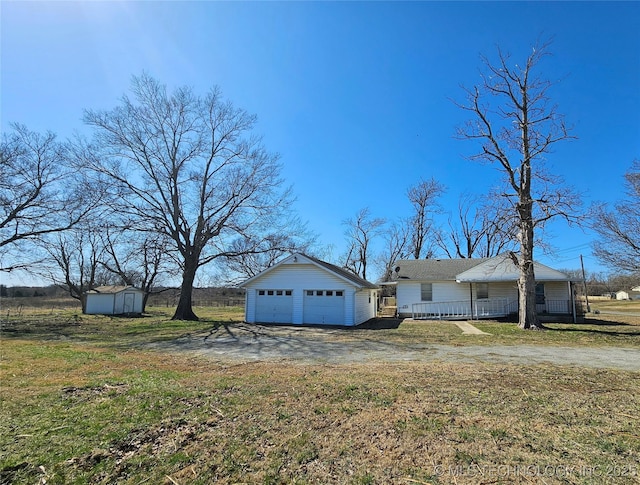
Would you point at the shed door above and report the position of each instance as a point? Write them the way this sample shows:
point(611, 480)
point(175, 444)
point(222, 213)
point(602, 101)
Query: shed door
point(324, 307)
point(274, 306)
point(129, 301)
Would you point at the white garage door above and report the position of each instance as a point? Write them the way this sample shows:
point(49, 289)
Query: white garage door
point(274, 306)
point(324, 306)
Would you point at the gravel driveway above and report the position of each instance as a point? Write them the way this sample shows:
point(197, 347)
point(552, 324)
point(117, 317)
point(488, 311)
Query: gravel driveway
point(245, 342)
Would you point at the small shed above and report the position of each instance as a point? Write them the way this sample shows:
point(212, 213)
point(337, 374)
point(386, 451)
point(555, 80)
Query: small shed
point(622, 295)
point(301, 289)
point(114, 300)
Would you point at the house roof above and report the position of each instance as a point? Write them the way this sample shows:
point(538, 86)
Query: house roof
point(433, 269)
point(111, 289)
point(502, 268)
point(355, 279)
point(498, 268)
point(299, 258)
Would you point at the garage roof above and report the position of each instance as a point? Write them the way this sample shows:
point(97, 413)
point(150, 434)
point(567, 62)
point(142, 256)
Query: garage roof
point(299, 258)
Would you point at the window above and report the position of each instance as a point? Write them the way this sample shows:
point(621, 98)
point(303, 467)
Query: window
point(540, 294)
point(482, 291)
point(426, 292)
point(319, 293)
point(270, 292)
point(279, 292)
point(309, 292)
point(288, 292)
point(329, 293)
point(338, 293)
point(260, 292)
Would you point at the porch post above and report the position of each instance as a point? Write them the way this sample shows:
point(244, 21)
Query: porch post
point(471, 299)
point(573, 301)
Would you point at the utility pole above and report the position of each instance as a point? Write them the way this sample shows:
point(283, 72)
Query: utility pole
point(584, 281)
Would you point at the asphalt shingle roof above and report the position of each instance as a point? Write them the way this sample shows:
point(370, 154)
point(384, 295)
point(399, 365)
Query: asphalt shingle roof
point(344, 273)
point(433, 269)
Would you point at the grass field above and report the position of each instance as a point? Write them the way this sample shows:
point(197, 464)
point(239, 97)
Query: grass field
point(83, 402)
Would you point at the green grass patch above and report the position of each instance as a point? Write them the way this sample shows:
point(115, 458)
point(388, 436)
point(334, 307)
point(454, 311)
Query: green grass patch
point(73, 413)
point(82, 401)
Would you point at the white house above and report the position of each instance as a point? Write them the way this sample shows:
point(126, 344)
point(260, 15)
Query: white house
point(114, 300)
point(301, 289)
point(476, 288)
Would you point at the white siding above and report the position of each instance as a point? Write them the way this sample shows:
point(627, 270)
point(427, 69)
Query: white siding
point(365, 305)
point(408, 293)
point(114, 303)
point(99, 304)
point(556, 290)
point(300, 277)
point(507, 289)
point(450, 291)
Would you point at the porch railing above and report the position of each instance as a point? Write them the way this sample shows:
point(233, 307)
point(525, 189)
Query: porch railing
point(553, 307)
point(496, 307)
point(490, 308)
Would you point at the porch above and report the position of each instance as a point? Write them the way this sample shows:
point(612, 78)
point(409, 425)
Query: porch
point(485, 308)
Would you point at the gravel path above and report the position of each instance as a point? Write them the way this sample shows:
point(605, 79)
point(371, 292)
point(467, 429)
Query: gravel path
point(310, 345)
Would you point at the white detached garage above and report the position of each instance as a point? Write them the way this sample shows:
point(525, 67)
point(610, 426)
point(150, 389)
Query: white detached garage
point(301, 289)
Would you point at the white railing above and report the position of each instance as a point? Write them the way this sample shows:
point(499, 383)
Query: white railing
point(553, 307)
point(558, 307)
point(491, 308)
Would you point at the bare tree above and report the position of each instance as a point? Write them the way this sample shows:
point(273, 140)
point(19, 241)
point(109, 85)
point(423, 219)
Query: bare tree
point(424, 200)
point(189, 168)
point(396, 247)
point(484, 228)
point(136, 259)
point(360, 231)
point(73, 262)
point(517, 126)
point(39, 192)
point(618, 228)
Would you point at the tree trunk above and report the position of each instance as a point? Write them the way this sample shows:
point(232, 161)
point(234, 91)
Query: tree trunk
point(527, 314)
point(145, 299)
point(184, 311)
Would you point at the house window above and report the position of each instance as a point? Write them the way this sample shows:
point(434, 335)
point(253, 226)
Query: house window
point(288, 292)
point(309, 292)
point(270, 292)
point(279, 292)
point(329, 293)
point(540, 294)
point(426, 292)
point(338, 293)
point(319, 293)
point(260, 292)
point(482, 291)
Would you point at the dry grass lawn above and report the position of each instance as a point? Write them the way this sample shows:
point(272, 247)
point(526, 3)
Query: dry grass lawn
point(80, 406)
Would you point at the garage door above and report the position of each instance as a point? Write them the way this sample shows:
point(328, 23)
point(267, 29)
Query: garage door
point(274, 306)
point(324, 306)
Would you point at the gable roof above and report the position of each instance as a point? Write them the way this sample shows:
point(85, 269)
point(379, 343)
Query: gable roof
point(300, 258)
point(112, 289)
point(344, 273)
point(502, 268)
point(470, 270)
point(433, 269)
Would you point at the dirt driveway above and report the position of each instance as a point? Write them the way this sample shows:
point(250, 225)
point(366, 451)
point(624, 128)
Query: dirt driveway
point(246, 343)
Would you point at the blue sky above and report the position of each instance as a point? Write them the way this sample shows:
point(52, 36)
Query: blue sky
point(355, 96)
